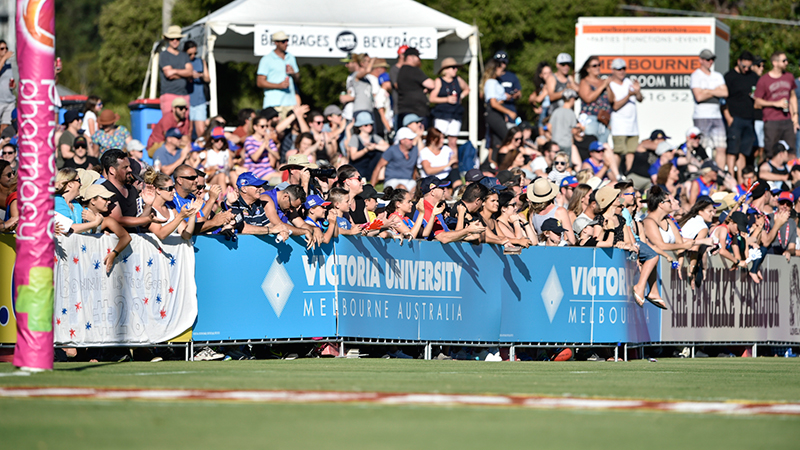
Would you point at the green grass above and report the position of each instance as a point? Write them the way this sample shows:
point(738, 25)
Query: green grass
point(61, 423)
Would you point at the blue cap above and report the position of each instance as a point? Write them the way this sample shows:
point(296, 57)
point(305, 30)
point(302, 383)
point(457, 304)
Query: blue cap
point(364, 118)
point(248, 179)
point(796, 192)
point(173, 132)
point(596, 146)
point(315, 200)
point(411, 118)
point(569, 181)
point(493, 184)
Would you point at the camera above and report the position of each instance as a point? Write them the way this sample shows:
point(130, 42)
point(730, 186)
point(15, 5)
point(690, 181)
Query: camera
point(323, 172)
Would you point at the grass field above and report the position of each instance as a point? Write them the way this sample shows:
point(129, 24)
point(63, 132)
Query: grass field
point(44, 423)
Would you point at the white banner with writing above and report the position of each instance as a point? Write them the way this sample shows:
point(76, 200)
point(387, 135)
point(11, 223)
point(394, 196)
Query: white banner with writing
point(150, 296)
point(337, 42)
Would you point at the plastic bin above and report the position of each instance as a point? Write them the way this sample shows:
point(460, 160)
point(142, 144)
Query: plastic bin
point(145, 112)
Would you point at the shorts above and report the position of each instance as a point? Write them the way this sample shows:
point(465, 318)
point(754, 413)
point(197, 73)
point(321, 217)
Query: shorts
point(625, 145)
point(448, 127)
point(165, 101)
point(741, 136)
point(778, 130)
point(646, 253)
point(713, 130)
point(5, 112)
point(199, 112)
point(759, 125)
point(410, 184)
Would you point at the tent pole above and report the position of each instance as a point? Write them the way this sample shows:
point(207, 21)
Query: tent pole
point(474, 81)
point(212, 73)
point(154, 74)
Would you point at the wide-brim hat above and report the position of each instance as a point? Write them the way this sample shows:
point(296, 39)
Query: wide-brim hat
point(279, 36)
point(542, 190)
point(605, 196)
point(174, 32)
point(96, 190)
point(298, 161)
point(88, 178)
point(448, 63)
point(107, 117)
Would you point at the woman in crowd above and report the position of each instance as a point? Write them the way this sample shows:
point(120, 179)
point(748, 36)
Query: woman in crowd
point(68, 188)
point(611, 230)
point(540, 98)
point(694, 225)
point(365, 148)
point(579, 201)
point(511, 142)
point(438, 159)
point(515, 159)
point(328, 149)
point(488, 213)
point(400, 207)
point(96, 200)
point(171, 222)
point(109, 135)
point(542, 194)
point(8, 196)
point(219, 159)
point(509, 224)
point(306, 145)
point(667, 179)
point(494, 95)
point(448, 92)
point(81, 158)
point(595, 104)
point(91, 109)
point(261, 152)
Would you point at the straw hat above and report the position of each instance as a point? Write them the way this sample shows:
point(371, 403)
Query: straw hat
point(97, 190)
point(298, 161)
point(107, 117)
point(605, 196)
point(542, 190)
point(88, 178)
point(173, 32)
point(447, 63)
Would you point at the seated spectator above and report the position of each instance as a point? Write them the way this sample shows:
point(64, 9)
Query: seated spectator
point(250, 210)
point(171, 218)
point(172, 153)
point(565, 191)
point(72, 122)
point(666, 153)
point(319, 217)
point(596, 161)
point(414, 123)
point(96, 200)
point(705, 185)
point(400, 161)
point(305, 145)
point(135, 150)
point(261, 151)
point(219, 159)
point(509, 224)
point(68, 188)
point(246, 117)
point(126, 207)
point(438, 159)
point(80, 157)
point(399, 208)
point(365, 148)
point(579, 201)
point(504, 148)
point(667, 179)
point(552, 234)
point(729, 236)
point(541, 164)
point(327, 146)
point(110, 135)
point(542, 194)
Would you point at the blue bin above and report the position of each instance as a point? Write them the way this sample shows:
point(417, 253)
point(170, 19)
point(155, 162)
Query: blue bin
point(145, 113)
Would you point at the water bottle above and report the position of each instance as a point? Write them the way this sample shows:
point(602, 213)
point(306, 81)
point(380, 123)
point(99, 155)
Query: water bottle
point(157, 164)
point(278, 238)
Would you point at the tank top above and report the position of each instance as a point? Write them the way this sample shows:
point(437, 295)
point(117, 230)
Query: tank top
point(447, 111)
point(167, 220)
point(560, 86)
point(601, 103)
point(704, 189)
point(777, 171)
point(667, 236)
point(538, 219)
point(595, 169)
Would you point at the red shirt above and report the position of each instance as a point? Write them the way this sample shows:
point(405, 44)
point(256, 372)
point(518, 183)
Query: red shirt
point(167, 122)
point(773, 89)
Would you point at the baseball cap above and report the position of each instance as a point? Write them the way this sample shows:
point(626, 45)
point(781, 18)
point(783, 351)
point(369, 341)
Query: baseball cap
point(96, 190)
point(796, 193)
point(173, 132)
point(552, 224)
point(432, 182)
point(369, 192)
point(134, 145)
point(569, 181)
point(411, 51)
point(136, 169)
point(786, 197)
point(759, 190)
point(501, 56)
point(314, 200)
point(248, 179)
point(71, 116)
point(269, 113)
point(402, 49)
point(658, 134)
point(596, 146)
point(217, 133)
point(564, 58)
point(569, 94)
point(411, 118)
point(740, 219)
point(664, 147)
point(332, 110)
point(493, 184)
point(618, 63)
point(693, 132)
point(405, 133)
point(474, 175)
point(707, 54)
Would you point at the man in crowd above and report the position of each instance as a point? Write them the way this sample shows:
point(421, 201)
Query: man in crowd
point(740, 113)
point(708, 87)
point(283, 206)
point(541, 164)
point(126, 209)
point(624, 120)
point(393, 71)
point(400, 161)
point(198, 112)
point(278, 75)
point(72, 120)
point(412, 84)
point(509, 81)
point(561, 80)
point(9, 153)
point(176, 71)
point(171, 154)
point(250, 210)
point(176, 118)
point(776, 97)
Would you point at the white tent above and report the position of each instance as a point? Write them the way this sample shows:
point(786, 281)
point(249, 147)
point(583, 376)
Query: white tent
point(228, 33)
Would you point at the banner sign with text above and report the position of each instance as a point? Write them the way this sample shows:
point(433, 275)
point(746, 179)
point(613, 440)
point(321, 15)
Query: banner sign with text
point(730, 307)
point(337, 42)
point(149, 297)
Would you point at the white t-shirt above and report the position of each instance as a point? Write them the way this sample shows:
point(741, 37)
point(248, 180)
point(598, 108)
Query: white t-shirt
point(693, 227)
point(539, 163)
point(623, 120)
point(708, 109)
point(436, 160)
point(217, 159)
point(86, 116)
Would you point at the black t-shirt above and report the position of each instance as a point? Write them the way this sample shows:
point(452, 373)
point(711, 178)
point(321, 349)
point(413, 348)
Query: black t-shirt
point(410, 92)
point(641, 164)
point(90, 162)
point(359, 216)
point(740, 88)
point(127, 205)
point(583, 146)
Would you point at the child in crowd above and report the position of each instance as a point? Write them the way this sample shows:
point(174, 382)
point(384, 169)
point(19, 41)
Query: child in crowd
point(340, 203)
point(551, 234)
point(560, 168)
point(316, 216)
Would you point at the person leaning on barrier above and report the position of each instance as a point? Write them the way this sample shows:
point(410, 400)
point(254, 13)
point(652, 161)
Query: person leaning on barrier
point(488, 214)
point(210, 195)
point(317, 216)
point(125, 206)
point(542, 194)
point(284, 206)
point(173, 216)
point(552, 234)
point(611, 230)
point(465, 211)
point(249, 209)
point(508, 222)
point(68, 189)
point(97, 201)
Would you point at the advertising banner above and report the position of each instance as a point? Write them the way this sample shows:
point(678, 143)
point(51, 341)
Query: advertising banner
point(661, 53)
point(573, 294)
point(8, 323)
point(149, 297)
point(337, 42)
point(730, 307)
point(33, 274)
point(254, 288)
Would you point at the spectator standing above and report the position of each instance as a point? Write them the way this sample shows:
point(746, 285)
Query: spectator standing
point(8, 101)
point(393, 72)
point(198, 111)
point(400, 161)
point(176, 70)
point(708, 87)
point(775, 95)
point(509, 81)
point(110, 135)
point(72, 120)
point(563, 120)
point(561, 79)
point(623, 96)
point(495, 96)
point(438, 159)
point(758, 69)
point(91, 108)
point(176, 118)
point(381, 87)
point(740, 113)
point(412, 83)
point(540, 98)
point(126, 207)
point(278, 75)
point(595, 101)
point(448, 92)
point(359, 89)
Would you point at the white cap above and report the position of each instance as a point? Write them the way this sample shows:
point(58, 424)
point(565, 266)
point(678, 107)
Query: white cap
point(693, 132)
point(618, 63)
point(664, 147)
point(564, 58)
point(405, 133)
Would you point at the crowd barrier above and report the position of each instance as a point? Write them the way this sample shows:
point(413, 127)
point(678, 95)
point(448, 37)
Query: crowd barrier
point(355, 288)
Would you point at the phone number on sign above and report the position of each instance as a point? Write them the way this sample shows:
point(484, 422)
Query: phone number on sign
point(667, 97)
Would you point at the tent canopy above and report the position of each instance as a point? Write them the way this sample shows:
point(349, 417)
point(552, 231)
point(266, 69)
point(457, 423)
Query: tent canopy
point(227, 34)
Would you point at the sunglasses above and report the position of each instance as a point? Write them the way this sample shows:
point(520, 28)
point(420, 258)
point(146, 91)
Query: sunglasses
point(263, 125)
point(180, 107)
point(201, 188)
point(559, 163)
point(3, 48)
point(174, 39)
point(517, 139)
point(319, 122)
point(281, 42)
point(191, 178)
point(12, 174)
point(167, 188)
point(77, 146)
point(9, 153)
point(218, 139)
point(594, 65)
